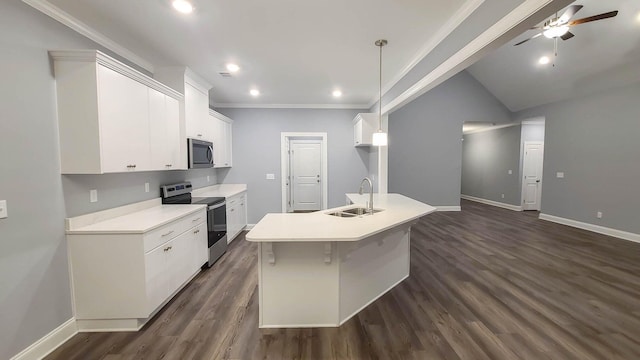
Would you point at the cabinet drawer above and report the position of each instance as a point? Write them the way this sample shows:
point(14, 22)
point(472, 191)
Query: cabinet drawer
point(167, 232)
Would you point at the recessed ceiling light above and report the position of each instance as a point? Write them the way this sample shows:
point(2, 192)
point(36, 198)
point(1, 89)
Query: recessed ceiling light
point(336, 93)
point(544, 60)
point(638, 17)
point(183, 6)
point(233, 67)
point(254, 92)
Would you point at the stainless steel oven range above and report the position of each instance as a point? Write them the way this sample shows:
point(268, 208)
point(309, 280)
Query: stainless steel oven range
point(216, 215)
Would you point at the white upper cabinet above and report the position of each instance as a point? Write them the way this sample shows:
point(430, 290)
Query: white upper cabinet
point(195, 110)
point(222, 140)
point(113, 118)
point(364, 125)
point(164, 122)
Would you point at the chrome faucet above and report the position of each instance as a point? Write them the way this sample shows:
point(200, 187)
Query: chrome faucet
point(370, 206)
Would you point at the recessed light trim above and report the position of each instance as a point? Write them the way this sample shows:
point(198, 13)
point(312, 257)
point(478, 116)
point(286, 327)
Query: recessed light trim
point(544, 60)
point(233, 67)
point(254, 92)
point(182, 6)
point(336, 93)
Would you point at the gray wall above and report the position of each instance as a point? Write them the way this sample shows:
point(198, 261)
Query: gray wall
point(425, 139)
point(594, 141)
point(34, 279)
point(256, 152)
point(487, 158)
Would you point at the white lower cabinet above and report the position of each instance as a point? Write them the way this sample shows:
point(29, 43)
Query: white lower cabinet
point(119, 282)
point(236, 215)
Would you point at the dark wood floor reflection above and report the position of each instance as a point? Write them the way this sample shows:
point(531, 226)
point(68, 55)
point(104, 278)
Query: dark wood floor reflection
point(486, 283)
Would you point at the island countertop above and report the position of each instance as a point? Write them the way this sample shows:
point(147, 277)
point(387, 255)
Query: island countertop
point(318, 226)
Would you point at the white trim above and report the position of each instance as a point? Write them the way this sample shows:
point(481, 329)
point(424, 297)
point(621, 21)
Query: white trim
point(591, 227)
point(49, 342)
point(249, 227)
point(290, 106)
point(107, 61)
point(502, 31)
point(492, 203)
point(489, 128)
point(454, 21)
point(447, 208)
point(81, 28)
point(284, 147)
point(540, 121)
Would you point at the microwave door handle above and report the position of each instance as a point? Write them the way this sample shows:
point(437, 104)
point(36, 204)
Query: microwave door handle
point(210, 155)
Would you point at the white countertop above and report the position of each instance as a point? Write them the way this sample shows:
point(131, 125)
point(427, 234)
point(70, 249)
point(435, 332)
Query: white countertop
point(319, 226)
point(220, 190)
point(138, 222)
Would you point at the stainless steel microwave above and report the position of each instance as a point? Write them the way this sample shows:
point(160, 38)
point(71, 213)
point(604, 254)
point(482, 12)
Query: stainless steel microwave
point(200, 154)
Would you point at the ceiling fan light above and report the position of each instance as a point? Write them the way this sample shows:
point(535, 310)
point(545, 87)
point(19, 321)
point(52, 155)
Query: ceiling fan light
point(556, 31)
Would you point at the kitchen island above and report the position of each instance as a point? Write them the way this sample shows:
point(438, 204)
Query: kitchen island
point(319, 270)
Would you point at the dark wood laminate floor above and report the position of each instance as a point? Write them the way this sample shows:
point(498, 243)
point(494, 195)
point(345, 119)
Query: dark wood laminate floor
point(486, 283)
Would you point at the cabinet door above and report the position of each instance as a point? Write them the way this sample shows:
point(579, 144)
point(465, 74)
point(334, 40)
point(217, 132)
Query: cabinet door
point(180, 260)
point(357, 133)
point(200, 253)
point(123, 110)
point(157, 283)
point(193, 112)
point(242, 212)
point(232, 221)
point(219, 148)
point(228, 136)
point(164, 118)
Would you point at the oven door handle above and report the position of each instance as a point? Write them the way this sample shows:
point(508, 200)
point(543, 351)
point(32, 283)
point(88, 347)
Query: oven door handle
point(212, 207)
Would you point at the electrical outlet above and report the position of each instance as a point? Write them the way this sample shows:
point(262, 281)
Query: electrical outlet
point(208, 178)
point(93, 195)
point(146, 187)
point(4, 212)
point(271, 176)
point(560, 175)
point(510, 172)
point(599, 214)
point(503, 196)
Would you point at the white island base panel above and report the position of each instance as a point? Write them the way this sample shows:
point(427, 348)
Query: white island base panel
point(324, 284)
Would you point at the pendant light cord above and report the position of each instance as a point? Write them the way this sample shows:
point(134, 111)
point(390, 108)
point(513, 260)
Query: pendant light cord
point(380, 97)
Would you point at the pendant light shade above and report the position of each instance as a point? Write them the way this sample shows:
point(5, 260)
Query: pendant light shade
point(380, 137)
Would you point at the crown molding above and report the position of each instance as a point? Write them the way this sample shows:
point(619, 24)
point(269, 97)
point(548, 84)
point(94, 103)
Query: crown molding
point(81, 28)
point(288, 106)
point(529, 13)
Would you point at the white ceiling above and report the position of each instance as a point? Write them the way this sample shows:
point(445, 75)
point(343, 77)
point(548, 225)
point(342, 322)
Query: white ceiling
point(294, 52)
point(603, 54)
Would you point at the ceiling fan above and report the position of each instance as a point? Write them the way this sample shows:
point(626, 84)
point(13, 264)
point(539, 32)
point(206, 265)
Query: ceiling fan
point(558, 27)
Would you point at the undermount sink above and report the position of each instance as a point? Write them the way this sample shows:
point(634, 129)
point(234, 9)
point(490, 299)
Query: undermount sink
point(353, 212)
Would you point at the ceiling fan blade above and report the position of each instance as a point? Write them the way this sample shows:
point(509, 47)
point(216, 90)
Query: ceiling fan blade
point(568, 14)
point(567, 36)
point(524, 41)
point(594, 18)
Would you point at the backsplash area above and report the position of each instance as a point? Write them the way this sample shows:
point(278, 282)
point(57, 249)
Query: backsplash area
point(126, 188)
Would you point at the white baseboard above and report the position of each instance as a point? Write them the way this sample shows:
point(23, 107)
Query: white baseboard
point(492, 203)
point(591, 227)
point(49, 342)
point(447, 208)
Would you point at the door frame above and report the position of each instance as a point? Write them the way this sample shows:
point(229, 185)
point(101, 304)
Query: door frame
point(524, 184)
point(285, 138)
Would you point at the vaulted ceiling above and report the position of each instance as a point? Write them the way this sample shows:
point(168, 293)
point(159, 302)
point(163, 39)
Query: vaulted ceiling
point(602, 55)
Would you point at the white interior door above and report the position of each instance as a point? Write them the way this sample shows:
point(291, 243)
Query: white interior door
point(532, 175)
point(305, 169)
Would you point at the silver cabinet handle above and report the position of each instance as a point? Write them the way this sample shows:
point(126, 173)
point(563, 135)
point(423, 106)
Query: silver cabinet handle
point(194, 220)
point(199, 135)
point(232, 210)
point(169, 233)
point(197, 231)
point(168, 248)
point(168, 165)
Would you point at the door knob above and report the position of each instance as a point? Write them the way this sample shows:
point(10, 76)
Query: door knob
point(537, 181)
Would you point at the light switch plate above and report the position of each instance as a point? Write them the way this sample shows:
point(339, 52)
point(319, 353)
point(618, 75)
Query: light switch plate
point(146, 187)
point(93, 196)
point(208, 178)
point(510, 172)
point(599, 214)
point(560, 175)
point(4, 213)
point(271, 176)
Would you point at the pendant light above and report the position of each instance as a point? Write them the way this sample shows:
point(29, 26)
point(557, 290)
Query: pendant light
point(380, 137)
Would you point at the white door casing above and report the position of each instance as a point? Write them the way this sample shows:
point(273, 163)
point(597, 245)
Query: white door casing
point(532, 175)
point(305, 159)
point(285, 162)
